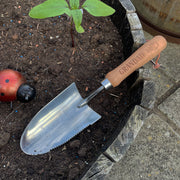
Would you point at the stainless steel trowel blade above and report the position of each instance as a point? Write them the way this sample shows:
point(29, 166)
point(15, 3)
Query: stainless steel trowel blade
point(56, 123)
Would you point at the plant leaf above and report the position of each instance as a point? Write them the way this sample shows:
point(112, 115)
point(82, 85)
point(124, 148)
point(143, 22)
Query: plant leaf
point(68, 12)
point(97, 8)
point(50, 8)
point(77, 18)
point(79, 29)
point(74, 4)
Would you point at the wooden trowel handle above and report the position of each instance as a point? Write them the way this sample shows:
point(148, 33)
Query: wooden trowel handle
point(140, 57)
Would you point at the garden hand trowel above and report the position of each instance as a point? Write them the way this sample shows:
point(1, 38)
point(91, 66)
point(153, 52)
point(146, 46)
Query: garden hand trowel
point(68, 113)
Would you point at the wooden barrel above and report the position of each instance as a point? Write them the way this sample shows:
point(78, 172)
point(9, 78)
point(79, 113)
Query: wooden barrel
point(164, 15)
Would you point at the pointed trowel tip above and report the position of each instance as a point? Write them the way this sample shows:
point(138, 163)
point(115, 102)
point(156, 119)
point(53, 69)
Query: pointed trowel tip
point(27, 147)
point(24, 145)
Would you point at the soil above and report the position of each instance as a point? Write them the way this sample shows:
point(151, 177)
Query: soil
point(41, 50)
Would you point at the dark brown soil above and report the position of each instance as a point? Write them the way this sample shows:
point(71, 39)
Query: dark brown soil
point(41, 50)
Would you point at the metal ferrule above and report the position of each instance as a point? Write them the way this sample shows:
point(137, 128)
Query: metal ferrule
point(106, 83)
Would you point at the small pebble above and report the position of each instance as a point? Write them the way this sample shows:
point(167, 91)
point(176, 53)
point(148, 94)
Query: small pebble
point(167, 134)
point(148, 126)
point(4, 138)
point(8, 164)
point(71, 60)
point(73, 173)
point(149, 138)
point(41, 171)
point(82, 152)
point(70, 69)
point(15, 36)
point(64, 148)
point(75, 144)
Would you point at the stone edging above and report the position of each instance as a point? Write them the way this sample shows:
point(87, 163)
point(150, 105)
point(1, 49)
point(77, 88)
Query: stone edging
point(131, 30)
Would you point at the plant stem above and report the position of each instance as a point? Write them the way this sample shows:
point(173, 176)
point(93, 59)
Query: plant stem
point(72, 37)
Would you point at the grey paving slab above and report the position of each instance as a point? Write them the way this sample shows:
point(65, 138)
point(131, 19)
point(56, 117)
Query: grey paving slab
point(155, 154)
point(170, 59)
point(171, 107)
point(162, 82)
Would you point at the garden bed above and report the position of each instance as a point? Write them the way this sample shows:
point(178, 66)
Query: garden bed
point(41, 50)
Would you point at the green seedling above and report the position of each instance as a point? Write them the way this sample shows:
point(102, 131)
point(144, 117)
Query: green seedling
point(52, 8)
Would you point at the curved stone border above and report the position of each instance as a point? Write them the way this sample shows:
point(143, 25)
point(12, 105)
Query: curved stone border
point(129, 26)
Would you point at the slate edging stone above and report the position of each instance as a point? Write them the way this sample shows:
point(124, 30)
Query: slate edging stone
point(130, 28)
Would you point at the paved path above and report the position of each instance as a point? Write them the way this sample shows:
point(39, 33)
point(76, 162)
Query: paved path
point(155, 153)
